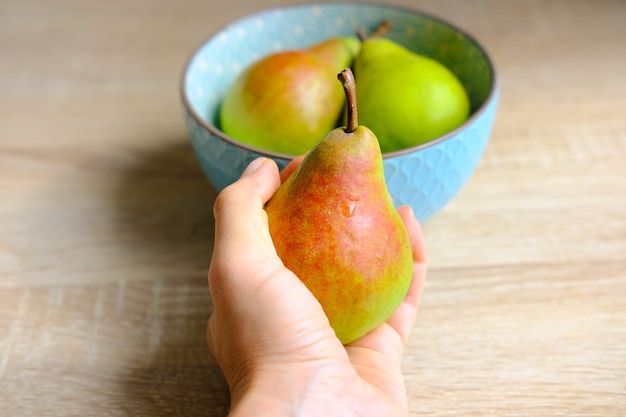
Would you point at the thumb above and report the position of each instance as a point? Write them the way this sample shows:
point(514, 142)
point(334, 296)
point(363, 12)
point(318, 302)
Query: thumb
point(241, 233)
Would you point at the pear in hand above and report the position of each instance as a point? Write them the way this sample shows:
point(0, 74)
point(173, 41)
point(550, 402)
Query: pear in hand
point(286, 101)
point(404, 97)
point(334, 225)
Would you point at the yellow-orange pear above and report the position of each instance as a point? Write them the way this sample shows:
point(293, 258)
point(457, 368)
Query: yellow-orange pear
point(334, 225)
point(287, 101)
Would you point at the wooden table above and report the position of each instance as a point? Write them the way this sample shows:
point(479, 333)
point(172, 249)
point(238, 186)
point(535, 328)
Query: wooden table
point(106, 225)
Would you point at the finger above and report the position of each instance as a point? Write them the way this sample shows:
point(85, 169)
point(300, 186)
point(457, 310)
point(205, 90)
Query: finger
point(241, 230)
point(416, 236)
point(238, 208)
point(290, 168)
point(403, 319)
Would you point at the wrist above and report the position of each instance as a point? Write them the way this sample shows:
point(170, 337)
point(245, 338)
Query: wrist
point(259, 405)
point(272, 394)
point(285, 394)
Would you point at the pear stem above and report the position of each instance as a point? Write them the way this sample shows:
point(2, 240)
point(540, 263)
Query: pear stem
point(349, 87)
point(379, 31)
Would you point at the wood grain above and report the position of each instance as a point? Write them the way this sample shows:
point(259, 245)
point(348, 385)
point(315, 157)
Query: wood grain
point(106, 227)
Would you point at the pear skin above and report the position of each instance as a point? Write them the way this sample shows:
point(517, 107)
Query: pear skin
point(334, 225)
point(286, 101)
point(406, 98)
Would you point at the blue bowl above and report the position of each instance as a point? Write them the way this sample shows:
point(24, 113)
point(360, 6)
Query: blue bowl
point(427, 176)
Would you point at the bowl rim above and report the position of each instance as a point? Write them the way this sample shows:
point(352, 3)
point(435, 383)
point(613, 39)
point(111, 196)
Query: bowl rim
point(493, 87)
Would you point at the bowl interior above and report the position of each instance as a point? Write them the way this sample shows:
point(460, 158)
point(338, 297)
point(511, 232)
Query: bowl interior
point(218, 61)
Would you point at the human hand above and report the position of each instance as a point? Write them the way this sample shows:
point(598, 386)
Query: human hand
point(269, 334)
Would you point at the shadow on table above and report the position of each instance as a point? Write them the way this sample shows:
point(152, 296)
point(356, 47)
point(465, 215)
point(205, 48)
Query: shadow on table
point(180, 379)
point(164, 204)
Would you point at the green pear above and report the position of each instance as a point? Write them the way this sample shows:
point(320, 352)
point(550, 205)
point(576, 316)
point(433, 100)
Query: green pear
point(286, 101)
point(334, 225)
point(406, 98)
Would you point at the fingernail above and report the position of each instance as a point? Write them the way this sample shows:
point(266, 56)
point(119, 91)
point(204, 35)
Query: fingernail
point(406, 207)
point(254, 166)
